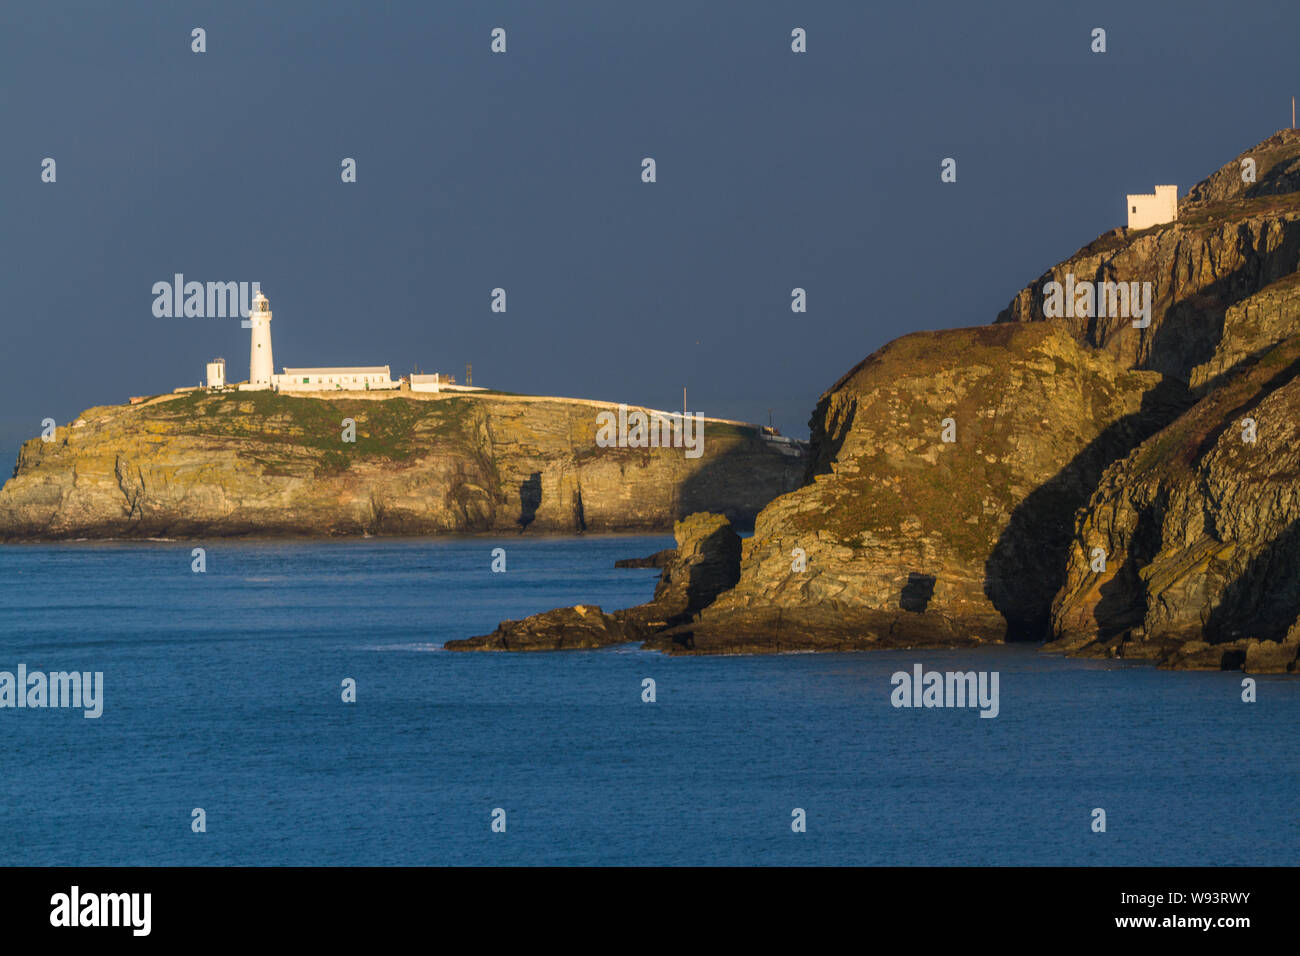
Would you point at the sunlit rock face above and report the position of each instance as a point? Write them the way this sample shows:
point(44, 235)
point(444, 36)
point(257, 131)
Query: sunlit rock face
point(208, 463)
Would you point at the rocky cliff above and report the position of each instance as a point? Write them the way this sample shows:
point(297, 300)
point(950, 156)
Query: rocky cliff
point(948, 467)
point(1230, 242)
point(959, 481)
point(1189, 551)
point(1092, 433)
point(207, 463)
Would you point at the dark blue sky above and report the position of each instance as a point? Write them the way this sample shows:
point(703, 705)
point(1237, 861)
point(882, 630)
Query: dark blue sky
point(522, 170)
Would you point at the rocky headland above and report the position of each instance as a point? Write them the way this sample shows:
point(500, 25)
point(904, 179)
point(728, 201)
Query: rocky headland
point(206, 463)
point(1076, 481)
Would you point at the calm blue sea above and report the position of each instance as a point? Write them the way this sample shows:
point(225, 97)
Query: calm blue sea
point(222, 691)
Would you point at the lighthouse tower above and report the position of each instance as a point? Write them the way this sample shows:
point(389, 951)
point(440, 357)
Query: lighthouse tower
point(260, 366)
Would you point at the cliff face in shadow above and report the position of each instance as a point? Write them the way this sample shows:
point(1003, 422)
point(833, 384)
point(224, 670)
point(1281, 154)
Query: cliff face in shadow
point(236, 463)
point(1200, 532)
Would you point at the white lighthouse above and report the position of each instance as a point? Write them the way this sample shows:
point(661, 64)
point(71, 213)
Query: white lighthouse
point(260, 366)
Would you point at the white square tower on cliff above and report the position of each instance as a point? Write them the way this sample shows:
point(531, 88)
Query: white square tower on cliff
point(1151, 209)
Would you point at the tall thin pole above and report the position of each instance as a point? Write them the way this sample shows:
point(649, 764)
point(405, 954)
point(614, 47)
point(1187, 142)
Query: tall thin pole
point(1293, 112)
point(683, 399)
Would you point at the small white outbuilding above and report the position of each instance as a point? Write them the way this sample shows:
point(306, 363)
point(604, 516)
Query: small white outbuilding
point(217, 373)
point(1152, 209)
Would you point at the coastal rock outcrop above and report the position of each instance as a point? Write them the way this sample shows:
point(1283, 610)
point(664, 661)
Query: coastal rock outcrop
point(204, 463)
point(947, 470)
point(1114, 490)
point(784, 630)
point(583, 626)
point(1140, 428)
point(705, 562)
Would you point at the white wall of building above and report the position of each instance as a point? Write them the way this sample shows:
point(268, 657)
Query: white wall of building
point(1152, 209)
point(360, 378)
point(426, 383)
point(217, 373)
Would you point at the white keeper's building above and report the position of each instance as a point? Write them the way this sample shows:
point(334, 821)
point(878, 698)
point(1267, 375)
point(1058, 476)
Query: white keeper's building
point(320, 379)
